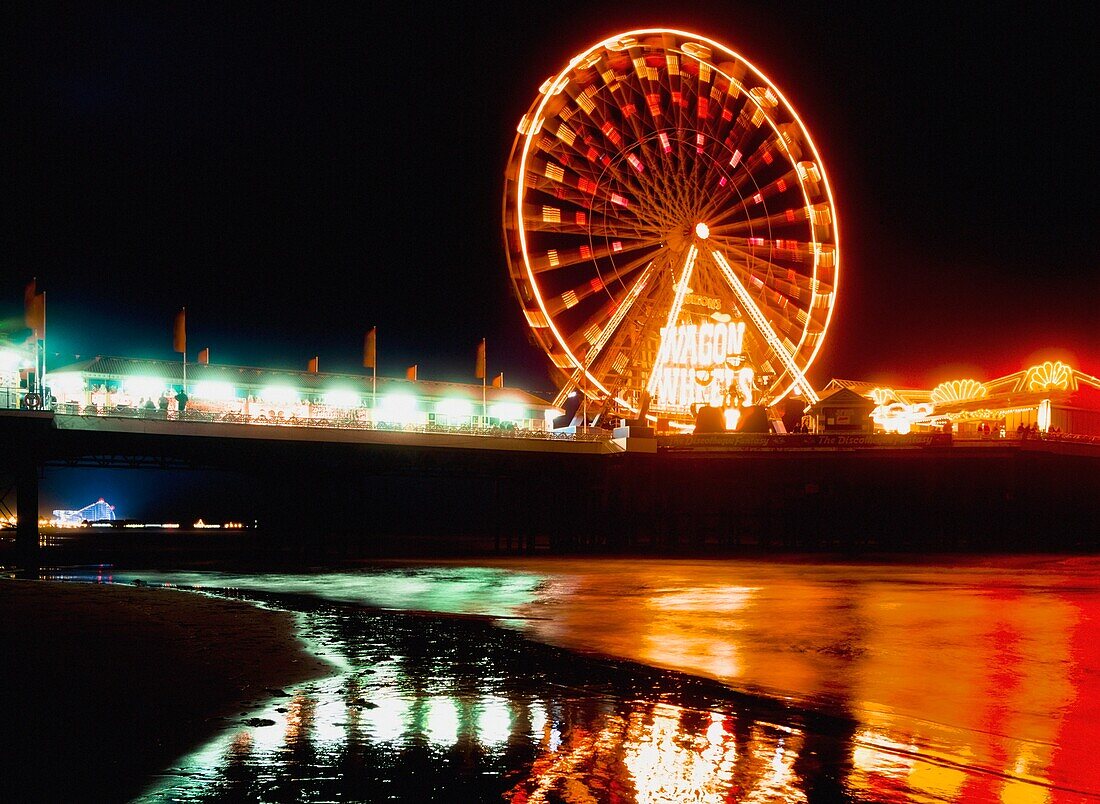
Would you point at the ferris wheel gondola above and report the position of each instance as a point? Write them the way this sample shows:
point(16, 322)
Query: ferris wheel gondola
point(670, 228)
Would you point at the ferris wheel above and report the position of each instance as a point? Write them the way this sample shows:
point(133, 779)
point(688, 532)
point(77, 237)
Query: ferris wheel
point(670, 230)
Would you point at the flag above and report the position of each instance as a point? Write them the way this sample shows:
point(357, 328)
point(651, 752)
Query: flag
point(479, 368)
point(498, 381)
point(34, 310)
point(179, 332)
point(370, 359)
point(312, 367)
point(410, 373)
point(28, 301)
point(204, 356)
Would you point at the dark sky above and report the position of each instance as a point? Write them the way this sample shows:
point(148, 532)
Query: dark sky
point(295, 174)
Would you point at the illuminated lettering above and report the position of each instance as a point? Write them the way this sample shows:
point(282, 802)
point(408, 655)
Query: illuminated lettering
point(701, 364)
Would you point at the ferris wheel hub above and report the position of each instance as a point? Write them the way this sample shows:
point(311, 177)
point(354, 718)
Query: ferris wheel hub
point(702, 230)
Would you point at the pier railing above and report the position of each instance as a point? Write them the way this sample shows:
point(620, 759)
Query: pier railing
point(357, 420)
point(345, 421)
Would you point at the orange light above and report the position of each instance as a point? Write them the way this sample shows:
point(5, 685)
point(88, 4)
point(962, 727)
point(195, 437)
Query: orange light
point(952, 391)
point(1048, 376)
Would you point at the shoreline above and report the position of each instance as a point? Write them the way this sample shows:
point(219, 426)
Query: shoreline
point(108, 685)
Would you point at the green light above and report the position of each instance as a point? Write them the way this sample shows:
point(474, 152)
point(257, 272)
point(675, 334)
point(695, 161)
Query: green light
point(454, 407)
point(145, 386)
point(342, 398)
point(280, 394)
point(507, 411)
point(213, 390)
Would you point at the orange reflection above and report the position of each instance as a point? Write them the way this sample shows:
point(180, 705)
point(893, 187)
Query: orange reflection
point(966, 683)
point(668, 754)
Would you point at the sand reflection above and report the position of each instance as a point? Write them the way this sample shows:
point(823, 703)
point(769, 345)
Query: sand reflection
point(907, 683)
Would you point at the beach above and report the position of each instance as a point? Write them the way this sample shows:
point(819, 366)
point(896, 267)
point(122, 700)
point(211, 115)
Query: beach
point(107, 685)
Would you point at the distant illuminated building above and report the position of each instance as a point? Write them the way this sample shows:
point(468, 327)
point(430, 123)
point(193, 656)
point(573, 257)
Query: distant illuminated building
point(1044, 396)
point(98, 511)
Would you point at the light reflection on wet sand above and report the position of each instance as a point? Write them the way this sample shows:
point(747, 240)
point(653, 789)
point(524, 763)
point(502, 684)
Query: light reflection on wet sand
point(960, 684)
point(404, 730)
point(948, 670)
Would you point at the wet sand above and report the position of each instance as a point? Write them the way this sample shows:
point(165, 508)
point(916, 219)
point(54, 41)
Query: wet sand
point(105, 686)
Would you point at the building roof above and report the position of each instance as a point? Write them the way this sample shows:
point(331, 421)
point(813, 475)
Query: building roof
point(1052, 379)
point(841, 398)
point(250, 378)
point(908, 396)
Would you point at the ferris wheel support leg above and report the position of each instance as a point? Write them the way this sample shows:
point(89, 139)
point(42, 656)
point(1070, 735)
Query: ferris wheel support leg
point(761, 323)
point(673, 315)
point(605, 335)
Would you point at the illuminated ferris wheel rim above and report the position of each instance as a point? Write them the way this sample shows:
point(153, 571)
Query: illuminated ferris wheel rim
point(557, 84)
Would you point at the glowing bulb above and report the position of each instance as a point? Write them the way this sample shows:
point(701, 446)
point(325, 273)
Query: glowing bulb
point(702, 230)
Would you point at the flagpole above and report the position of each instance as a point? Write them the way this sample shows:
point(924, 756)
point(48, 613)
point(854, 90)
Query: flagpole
point(184, 351)
point(42, 356)
point(484, 375)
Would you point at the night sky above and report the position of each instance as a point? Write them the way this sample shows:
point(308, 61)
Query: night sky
point(295, 175)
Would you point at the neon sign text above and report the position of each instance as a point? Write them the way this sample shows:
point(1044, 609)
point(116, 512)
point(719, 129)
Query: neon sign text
point(701, 364)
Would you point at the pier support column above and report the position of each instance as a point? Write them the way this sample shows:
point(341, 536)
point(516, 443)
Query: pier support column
point(26, 510)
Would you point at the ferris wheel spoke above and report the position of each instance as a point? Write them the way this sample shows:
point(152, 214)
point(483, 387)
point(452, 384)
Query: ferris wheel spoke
point(681, 288)
point(559, 218)
point(598, 284)
point(619, 340)
point(762, 222)
point(599, 330)
point(621, 183)
point(595, 136)
point(787, 307)
point(553, 259)
point(797, 252)
point(559, 185)
point(766, 160)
